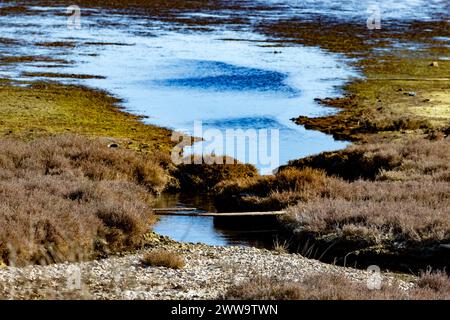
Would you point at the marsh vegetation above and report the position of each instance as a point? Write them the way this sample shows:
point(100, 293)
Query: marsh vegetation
point(66, 196)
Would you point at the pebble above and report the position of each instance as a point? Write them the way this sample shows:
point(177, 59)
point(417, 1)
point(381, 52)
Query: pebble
point(209, 272)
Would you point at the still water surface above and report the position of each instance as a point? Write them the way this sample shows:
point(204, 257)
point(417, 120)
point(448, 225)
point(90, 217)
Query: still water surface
point(228, 77)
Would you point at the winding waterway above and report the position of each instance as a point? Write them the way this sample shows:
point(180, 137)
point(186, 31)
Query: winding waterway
point(226, 76)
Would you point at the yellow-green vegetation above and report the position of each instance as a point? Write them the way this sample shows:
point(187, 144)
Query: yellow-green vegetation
point(42, 108)
point(400, 93)
point(389, 104)
point(60, 75)
point(354, 39)
point(406, 85)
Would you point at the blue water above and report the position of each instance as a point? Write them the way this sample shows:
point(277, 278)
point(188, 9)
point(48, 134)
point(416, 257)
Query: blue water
point(176, 75)
point(205, 230)
point(224, 77)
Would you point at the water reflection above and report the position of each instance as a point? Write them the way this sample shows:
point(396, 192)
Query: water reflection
point(209, 230)
point(220, 76)
point(226, 78)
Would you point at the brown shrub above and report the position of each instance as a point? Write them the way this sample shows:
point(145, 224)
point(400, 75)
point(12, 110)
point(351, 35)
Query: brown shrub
point(97, 162)
point(327, 286)
point(204, 176)
point(437, 281)
point(378, 212)
point(406, 199)
point(416, 158)
point(436, 135)
point(274, 192)
point(261, 288)
point(68, 198)
point(163, 258)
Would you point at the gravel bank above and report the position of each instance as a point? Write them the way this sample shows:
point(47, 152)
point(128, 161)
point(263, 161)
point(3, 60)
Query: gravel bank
point(209, 271)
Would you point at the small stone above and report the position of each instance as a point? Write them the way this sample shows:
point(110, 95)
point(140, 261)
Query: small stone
point(434, 64)
point(113, 145)
point(411, 93)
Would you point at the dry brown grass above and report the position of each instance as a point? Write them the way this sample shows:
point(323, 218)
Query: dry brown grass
point(332, 286)
point(378, 212)
point(408, 201)
point(163, 258)
point(415, 159)
point(402, 206)
point(281, 247)
point(71, 198)
point(275, 192)
point(437, 281)
point(204, 177)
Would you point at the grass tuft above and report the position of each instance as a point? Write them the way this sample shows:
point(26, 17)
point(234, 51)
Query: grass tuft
point(163, 258)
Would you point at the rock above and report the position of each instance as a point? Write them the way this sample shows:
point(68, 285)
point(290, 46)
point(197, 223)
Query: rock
point(434, 64)
point(113, 145)
point(411, 93)
point(209, 272)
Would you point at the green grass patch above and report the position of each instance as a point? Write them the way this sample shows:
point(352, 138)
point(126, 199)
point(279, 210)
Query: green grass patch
point(44, 108)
